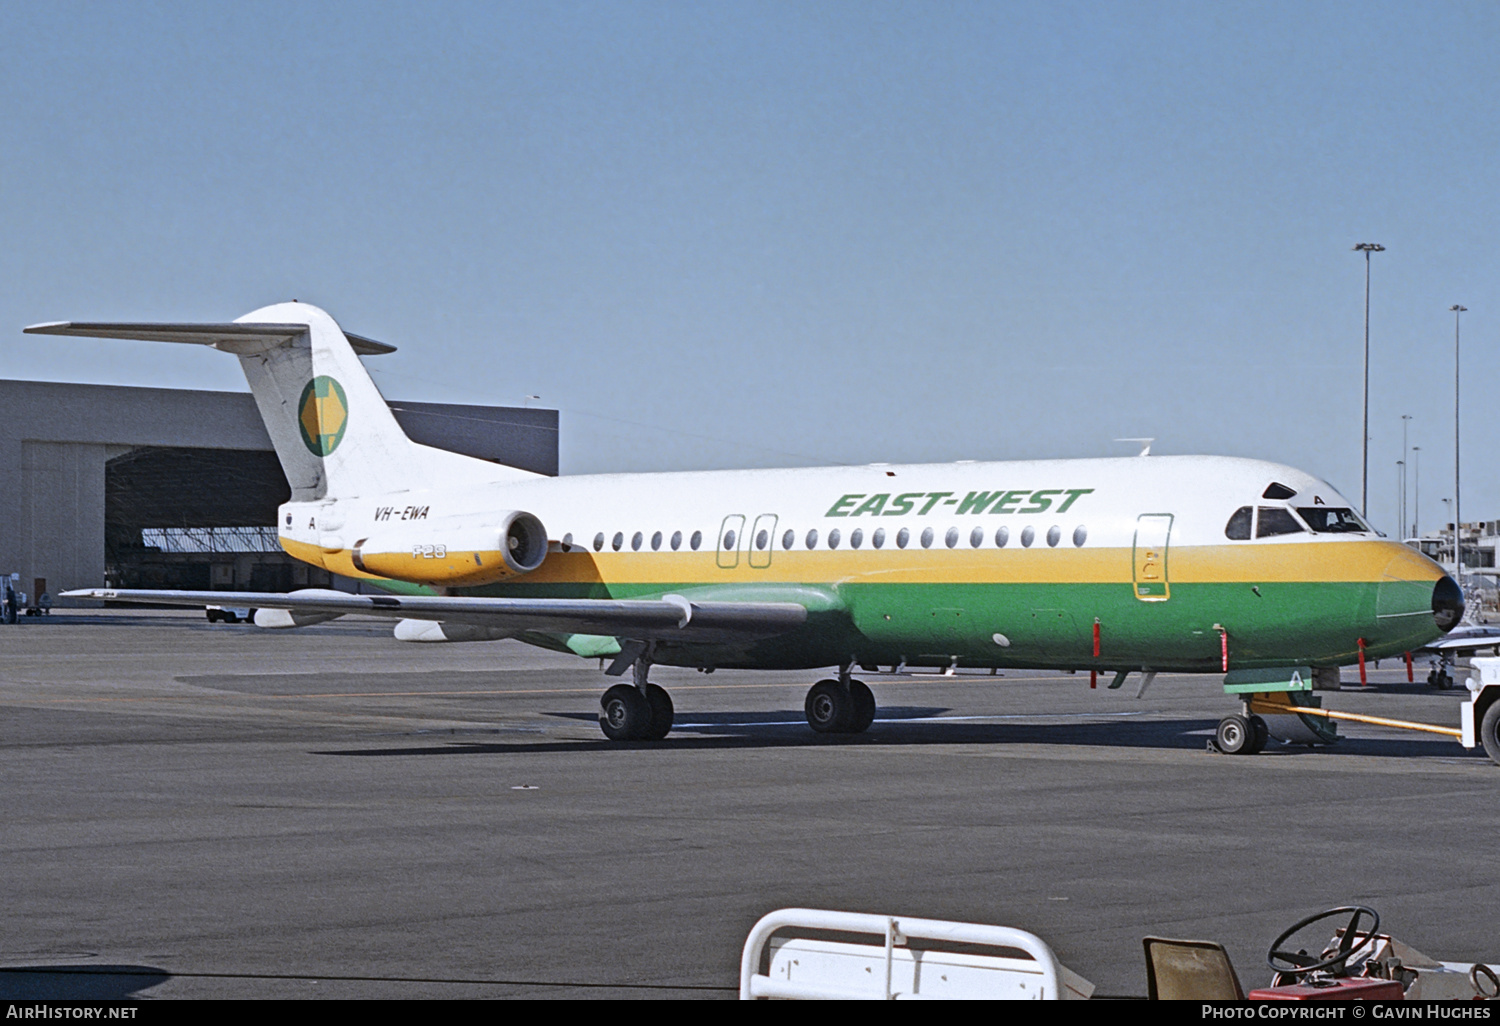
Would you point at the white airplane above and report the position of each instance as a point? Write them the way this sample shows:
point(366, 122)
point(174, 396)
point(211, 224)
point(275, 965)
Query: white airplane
point(1192, 563)
point(1467, 639)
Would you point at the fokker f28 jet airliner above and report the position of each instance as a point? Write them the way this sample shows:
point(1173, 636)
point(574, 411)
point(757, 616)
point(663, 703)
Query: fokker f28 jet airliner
point(1190, 563)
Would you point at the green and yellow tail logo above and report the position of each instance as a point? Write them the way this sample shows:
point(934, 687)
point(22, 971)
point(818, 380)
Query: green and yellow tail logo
point(323, 414)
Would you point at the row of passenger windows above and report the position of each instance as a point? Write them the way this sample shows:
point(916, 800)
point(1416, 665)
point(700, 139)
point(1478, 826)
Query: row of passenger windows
point(835, 538)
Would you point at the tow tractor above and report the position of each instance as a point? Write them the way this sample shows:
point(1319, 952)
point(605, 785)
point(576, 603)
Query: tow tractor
point(1359, 963)
point(1280, 703)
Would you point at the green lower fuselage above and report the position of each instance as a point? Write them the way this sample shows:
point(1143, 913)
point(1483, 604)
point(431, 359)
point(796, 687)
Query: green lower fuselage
point(934, 612)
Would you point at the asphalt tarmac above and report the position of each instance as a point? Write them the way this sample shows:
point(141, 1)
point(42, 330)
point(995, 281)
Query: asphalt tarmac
point(194, 810)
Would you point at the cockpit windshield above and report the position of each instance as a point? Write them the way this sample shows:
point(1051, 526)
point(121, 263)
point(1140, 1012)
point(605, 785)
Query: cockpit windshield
point(1333, 520)
point(1274, 520)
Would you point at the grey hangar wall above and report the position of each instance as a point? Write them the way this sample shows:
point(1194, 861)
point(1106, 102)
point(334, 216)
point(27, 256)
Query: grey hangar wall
point(85, 469)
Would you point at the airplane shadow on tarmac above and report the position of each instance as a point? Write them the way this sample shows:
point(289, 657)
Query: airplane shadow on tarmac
point(908, 725)
point(86, 982)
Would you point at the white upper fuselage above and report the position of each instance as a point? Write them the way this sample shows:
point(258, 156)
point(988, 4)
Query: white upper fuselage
point(1104, 497)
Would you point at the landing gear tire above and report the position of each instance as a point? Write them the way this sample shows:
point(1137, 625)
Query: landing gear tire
point(661, 712)
point(864, 707)
point(1260, 735)
point(624, 714)
point(1489, 732)
point(1235, 736)
point(829, 707)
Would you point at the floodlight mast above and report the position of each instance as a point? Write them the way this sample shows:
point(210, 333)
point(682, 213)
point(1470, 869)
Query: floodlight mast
point(1405, 454)
point(1458, 566)
point(1364, 439)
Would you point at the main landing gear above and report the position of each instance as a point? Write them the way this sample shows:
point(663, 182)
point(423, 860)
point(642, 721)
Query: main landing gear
point(642, 711)
point(843, 706)
point(636, 712)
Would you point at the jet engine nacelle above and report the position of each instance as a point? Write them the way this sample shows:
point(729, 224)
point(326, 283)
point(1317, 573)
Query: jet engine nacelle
point(454, 551)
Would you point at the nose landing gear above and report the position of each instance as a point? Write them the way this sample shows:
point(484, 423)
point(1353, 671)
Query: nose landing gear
point(1439, 677)
point(1239, 734)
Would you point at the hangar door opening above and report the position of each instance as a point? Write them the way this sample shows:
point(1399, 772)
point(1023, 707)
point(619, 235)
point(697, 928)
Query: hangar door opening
point(198, 519)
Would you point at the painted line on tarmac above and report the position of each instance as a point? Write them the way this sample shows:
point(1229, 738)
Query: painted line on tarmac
point(925, 719)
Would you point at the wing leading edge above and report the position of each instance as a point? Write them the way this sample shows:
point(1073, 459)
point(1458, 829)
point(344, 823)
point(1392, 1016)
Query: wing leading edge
point(670, 618)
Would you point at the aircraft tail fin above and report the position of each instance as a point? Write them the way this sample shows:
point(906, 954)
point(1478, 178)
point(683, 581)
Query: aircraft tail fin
point(332, 430)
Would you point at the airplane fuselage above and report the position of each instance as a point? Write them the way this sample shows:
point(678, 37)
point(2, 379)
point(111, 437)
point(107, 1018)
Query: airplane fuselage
point(1159, 562)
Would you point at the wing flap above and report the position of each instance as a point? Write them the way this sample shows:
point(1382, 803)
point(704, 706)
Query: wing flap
point(671, 617)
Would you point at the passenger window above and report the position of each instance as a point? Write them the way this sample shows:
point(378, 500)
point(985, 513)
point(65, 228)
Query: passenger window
point(812, 539)
point(856, 538)
point(1028, 535)
point(696, 540)
point(635, 542)
point(1238, 528)
point(1274, 520)
point(976, 537)
point(878, 538)
point(728, 541)
point(951, 538)
point(1080, 535)
point(903, 538)
point(568, 542)
point(676, 540)
point(761, 539)
point(1054, 535)
point(927, 538)
point(1001, 537)
point(617, 541)
point(656, 542)
point(598, 541)
point(833, 538)
point(789, 539)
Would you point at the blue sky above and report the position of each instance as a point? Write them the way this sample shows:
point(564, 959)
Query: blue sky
point(719, 235)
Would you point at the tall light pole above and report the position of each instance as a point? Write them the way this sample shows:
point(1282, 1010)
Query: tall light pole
point(1364, 439)
point(1457, 515)
point(1416, 488)
point(1405, 452)
point(1401, 486)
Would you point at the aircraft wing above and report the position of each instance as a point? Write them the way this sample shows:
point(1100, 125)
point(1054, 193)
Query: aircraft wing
point(1465, 640)
point(670, 618)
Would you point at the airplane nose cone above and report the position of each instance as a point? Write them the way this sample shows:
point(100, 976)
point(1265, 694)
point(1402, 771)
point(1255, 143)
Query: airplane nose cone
point(1447, 604)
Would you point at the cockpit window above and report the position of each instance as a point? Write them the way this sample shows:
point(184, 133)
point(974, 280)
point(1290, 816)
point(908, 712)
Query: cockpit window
point(1238, 528)
point(1333, 520)
point(1275, 520)
point(1277, 490)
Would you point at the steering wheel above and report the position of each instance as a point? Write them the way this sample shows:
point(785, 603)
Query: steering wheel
point(1300, 963)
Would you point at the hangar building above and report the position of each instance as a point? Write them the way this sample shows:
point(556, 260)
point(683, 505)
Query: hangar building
point(165, 488)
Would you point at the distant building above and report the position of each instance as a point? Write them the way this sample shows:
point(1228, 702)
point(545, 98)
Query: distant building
point(164, 488)
point(1478, 539)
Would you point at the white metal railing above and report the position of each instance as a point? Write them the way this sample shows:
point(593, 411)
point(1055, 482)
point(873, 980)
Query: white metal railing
point(816, 969)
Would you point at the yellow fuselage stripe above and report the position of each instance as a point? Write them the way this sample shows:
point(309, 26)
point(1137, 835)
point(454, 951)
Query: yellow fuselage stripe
point(1354, 562)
